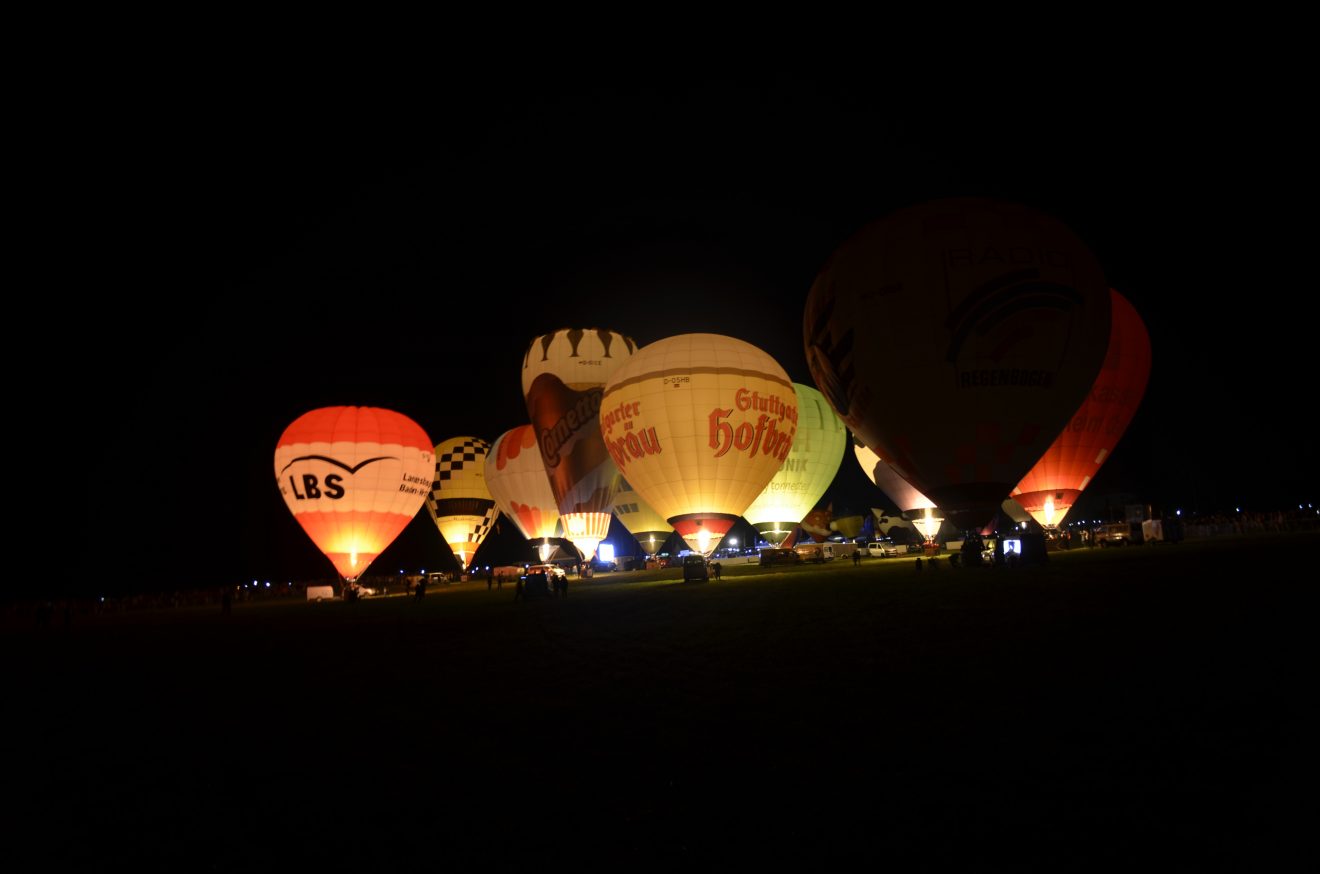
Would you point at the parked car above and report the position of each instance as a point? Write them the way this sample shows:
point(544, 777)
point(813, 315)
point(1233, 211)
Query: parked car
point(883, 549)
point(695, 568)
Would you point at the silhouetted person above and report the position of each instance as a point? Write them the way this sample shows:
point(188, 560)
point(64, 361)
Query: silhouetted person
point(490, 578)
point(421, 589)
point(715, 568)
point(518, 591)
point(857, 558)
point(918, 564)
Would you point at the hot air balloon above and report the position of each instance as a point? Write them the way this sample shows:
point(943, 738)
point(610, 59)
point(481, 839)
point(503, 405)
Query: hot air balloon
point(998, 311)
point(1050, 488)
point(912, 505)
point(849, 526)
point(699, 424)
point(460, 504)
point(807, 472)
point(517, 480)
point(353, 477)
point(644, 523)
point(817, 524)
point(563, 376)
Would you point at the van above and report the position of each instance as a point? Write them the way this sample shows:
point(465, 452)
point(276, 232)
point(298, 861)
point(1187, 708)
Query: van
point(1113, 534)
point(695, 568)
point(883, 549)
point(817, 552)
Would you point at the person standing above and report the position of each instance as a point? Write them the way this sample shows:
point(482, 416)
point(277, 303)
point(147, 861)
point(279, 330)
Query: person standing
point(421, 588)
point(490, 578)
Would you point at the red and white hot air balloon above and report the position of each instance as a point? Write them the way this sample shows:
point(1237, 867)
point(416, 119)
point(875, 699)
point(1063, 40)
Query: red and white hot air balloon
point(997, 310)
point(564, 373)
point(353, 477)
point(699, 424)
point(1050, 489)
point(516, 477)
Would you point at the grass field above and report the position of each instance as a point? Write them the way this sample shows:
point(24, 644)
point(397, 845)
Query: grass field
point(1139, 705)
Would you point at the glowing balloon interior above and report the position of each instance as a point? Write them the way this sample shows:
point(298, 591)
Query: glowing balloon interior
point(353, 477)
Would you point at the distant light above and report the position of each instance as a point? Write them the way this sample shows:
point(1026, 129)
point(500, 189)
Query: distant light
point(733, 541)
point(254, 582)
point(103, 599)
point(268, 584)
point(1237, 509)
point(605, 551)
point(1178, 513)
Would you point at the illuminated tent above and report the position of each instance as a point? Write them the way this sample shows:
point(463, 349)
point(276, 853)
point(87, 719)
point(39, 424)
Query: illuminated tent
point(353, 477)
point(699, 424)
point(644, 523)
point(1050, 488)
point(998, 311)
point(563, 375)
point(460, 503)
point(807, 472)
point(515, 475)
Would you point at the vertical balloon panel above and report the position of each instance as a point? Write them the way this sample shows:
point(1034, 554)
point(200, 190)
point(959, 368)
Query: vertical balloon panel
point(564, 373)
point(353, 477)
point(999, 312)
point(1053, 485)
point(699, 424)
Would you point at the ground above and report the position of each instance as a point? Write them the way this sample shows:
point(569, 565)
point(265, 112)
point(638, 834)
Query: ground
point(1136, 705)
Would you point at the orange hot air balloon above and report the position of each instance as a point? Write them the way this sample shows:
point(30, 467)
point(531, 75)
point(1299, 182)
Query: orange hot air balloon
point(460, 503)
point(999, 311)
point(353, 477)
point(564, 373)
point(1050, 489)
point(699, 424)
point(515, 475)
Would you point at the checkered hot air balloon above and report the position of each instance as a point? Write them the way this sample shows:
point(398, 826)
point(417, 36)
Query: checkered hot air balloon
point(459, 501)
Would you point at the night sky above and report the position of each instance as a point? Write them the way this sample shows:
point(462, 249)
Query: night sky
point(376, 248)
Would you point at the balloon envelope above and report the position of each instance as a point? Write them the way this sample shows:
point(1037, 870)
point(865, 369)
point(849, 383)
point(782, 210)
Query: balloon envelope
point(645, 524)
point(807, 472)
point(353, 477)
point(460, 503)
point(699, 424)
point(998, 311)
point(516, 477)
point(563, 377)
point(1050, 488)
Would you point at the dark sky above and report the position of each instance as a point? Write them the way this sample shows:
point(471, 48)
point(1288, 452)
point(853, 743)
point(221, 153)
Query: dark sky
point(375, 247)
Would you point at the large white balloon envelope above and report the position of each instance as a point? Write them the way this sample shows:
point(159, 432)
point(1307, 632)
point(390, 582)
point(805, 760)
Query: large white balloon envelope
point(699, 424)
